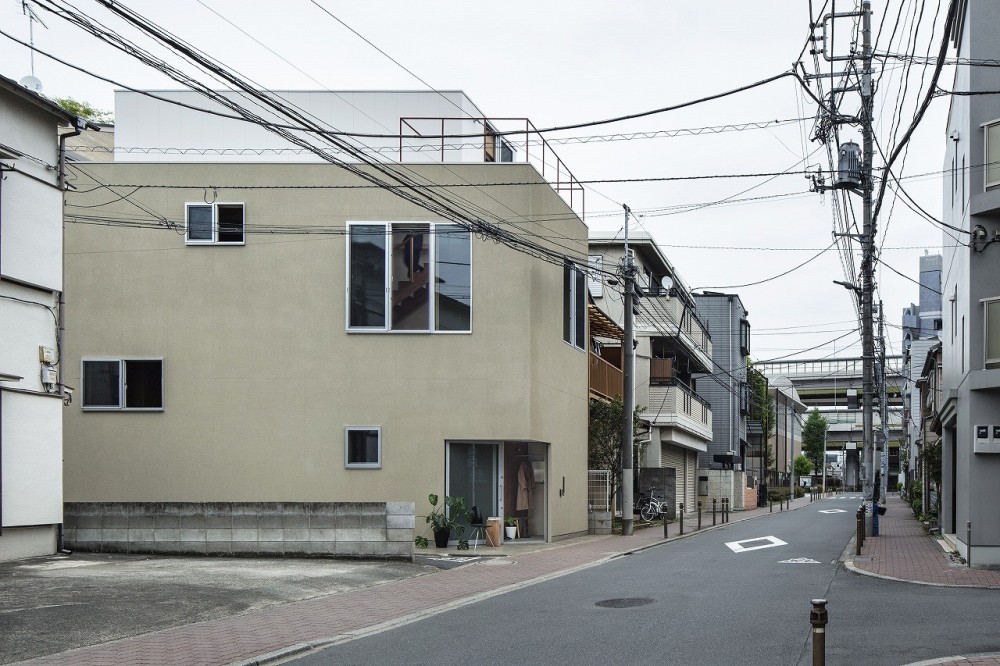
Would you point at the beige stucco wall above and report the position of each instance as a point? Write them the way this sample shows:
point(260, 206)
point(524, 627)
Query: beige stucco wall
point(260, 374)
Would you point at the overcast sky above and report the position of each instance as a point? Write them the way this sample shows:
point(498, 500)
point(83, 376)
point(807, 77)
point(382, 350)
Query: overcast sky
point(559, 62)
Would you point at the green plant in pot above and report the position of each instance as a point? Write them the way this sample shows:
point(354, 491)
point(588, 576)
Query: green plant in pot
point(510, 527)
point(442, 519)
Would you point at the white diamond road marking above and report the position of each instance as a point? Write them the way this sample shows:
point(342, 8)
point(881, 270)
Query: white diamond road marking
point(799, 560)
point(833, 511)
point(769, 542)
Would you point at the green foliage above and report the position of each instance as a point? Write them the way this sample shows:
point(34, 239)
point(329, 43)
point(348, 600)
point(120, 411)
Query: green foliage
point(604, 448)
point(444, 517)
point(463, 544)
point(813, 437)
point(85, 110)
point(802, 465)
point(510, 521)
point(761, 409)
point(421, 542)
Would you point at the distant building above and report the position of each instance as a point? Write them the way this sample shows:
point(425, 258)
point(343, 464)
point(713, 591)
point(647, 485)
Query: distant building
point(726, 387)
point(673, 346)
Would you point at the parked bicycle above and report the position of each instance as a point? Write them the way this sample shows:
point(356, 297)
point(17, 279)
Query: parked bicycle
point(650, 506)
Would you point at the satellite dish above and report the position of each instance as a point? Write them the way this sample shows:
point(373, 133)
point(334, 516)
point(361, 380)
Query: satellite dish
point(667, 283)
point(31, 83)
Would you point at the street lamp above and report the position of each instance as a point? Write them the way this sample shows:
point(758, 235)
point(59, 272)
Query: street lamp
point(847, 285)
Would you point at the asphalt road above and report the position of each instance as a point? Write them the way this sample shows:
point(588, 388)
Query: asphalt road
point(738, 595)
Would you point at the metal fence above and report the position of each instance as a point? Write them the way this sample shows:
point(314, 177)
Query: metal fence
point(599, 489)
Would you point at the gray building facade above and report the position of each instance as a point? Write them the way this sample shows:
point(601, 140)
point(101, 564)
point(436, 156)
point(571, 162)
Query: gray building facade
point(969, 415)
point(726, 386)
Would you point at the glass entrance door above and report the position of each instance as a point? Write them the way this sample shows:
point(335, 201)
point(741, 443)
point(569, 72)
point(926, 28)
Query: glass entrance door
point(472, 475)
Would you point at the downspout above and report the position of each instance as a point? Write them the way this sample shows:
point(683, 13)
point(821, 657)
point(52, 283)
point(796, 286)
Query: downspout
point(61, 326)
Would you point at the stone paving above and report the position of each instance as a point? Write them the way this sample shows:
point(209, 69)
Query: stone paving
point(903, 551)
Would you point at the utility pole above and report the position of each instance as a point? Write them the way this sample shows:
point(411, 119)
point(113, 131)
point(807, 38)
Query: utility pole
point(867, 238)
point(868, 256)
point(883, 403)
point(628, 389)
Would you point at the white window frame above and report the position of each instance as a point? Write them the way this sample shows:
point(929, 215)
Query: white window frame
point(121, 407)
point(387, 279)
point(215, 223)
point(574, 298)
point(988, 363)
point(986, 154)
point(347, 433)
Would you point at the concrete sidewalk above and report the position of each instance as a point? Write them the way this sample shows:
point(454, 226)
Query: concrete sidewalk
point(280, 631)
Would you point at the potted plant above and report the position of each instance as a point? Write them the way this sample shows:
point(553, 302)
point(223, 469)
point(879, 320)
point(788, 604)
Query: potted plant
point(442, 520)
point(510, 527)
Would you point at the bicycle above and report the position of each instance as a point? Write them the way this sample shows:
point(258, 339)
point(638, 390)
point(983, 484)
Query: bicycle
point(650, 506)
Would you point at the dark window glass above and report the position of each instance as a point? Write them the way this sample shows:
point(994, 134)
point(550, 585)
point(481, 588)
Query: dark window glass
point(453, 278)
point(362, 447)
point(101, 384)
point(230, 223)
point(411, 277)
point(567, 303)
point(580, 306)
point(367, 278)
point(143, 384)
point(199, 223)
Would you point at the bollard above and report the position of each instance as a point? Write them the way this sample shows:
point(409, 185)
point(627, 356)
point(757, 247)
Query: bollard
point(699, 514)
point(771, 502)
point(859, 531)
point(681, 517)
point(713, 512)
point(665, 524)
point(725, 510)
point(818, 618)
point(968, 542)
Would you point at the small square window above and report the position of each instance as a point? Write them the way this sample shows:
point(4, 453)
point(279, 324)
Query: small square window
point(214, 224)
point(363, 447)
point(126, 384)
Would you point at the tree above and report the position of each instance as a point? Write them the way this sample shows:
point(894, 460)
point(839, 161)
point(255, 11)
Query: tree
point(803, 466)
point(604, 450)
point(813, 438)
point(762, 409)
point(85, 110)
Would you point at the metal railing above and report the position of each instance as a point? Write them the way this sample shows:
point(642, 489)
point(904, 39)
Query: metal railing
point(488, 140)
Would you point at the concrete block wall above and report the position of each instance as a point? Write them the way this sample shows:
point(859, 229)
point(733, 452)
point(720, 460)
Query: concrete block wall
point(729, 484)
point(301, 529)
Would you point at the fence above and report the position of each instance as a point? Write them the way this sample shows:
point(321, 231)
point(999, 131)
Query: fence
point(598, 490)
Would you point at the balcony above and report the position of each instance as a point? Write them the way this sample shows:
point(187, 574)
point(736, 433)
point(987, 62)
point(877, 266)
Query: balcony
point(670, 317)
point(675, 405)
point(606, 380)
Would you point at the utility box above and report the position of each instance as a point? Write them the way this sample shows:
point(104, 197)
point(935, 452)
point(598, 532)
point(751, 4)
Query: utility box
point(849, 166)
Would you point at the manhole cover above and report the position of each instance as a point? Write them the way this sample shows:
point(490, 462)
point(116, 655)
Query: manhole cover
point(630, 602)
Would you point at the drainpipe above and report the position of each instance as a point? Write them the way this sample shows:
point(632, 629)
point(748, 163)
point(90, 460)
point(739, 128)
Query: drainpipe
point(80, 124)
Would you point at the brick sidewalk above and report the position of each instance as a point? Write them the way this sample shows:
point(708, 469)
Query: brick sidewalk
point(903, 550)
point(257, 636)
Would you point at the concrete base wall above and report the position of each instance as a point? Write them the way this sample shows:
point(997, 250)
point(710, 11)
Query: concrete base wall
point(300, 529)
point(729, 484)
point(599, 522)
point(17, 543)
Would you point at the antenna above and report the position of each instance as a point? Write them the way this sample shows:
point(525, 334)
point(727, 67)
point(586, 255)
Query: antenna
point(31, 82)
